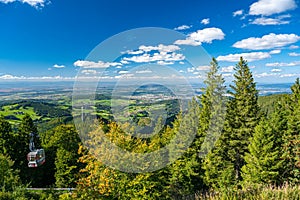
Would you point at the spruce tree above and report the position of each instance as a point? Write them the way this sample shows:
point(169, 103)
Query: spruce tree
point(212, 114)
point(211, 121)
point(219, 170)
point(263, 161)
point(242, 115)
point(291, 145)
point(223, 165)
point(184, 178)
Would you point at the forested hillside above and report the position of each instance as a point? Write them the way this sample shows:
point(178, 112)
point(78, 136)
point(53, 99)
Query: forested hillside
point(245, 147)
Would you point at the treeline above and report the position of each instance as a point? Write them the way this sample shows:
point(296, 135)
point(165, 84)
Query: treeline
point(41, 108)
point(61, 169)
point(238, 148)
point(239, 151)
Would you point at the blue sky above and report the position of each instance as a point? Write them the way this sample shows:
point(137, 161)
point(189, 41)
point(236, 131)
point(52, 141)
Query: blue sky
point(50, 39)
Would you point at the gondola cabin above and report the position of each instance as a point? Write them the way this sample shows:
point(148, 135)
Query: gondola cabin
point(36, 158)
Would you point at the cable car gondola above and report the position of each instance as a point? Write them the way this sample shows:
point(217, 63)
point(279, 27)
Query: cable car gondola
point(36, 157)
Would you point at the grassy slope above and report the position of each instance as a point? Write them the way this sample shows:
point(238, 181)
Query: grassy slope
point(40, 111)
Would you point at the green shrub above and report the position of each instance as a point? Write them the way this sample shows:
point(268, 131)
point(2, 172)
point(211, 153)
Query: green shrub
point(285, 192)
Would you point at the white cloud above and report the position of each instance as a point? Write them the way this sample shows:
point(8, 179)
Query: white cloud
point(161, 56)
point(203, 68)
point(206, 35)
point(48, 78)
point(145, 49)
point(127, 75)
point(282, 64)
point(160, 48)
point(7, 1)
point(270, 7)
point(123, 72)
point(99, 64)
point(276, 70)
point(267, 41)
point(161, 62)
point(294, 47)
point(135, 52)
point(228, 69)
point(11, 77)
point(139, 59)
point(197, 77)
point(276, 74)
point(34, 3)
point(227, 75)
point(146, 71)
point(271, 21)
point(276, 51)
point(188, 41)
point(265, 74)
point(289, 75)
point(58, 66)
point(191, 70)
point(205, 21)
point(124, 62)
point(183, 27)
point(199, 68)
point(89, 71)
point(294, 54)
point(247, 56)
point(237, 13)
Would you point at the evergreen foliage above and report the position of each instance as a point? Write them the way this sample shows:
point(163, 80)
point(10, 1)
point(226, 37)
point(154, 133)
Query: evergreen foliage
point(213, 110)
point(263, 161)
point(65, 140)
point(9, 178)
point(292, 137)
point(223, 165)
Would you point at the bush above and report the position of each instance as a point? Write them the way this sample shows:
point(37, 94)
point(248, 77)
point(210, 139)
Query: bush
point(8, 177)
point(6, 196)
point(255, 193)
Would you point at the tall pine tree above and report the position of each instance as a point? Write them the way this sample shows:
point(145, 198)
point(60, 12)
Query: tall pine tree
point(186, 172)
point(223, 165)
point(212, 114)
point(291, 145)
point(242, 115)
point(263, 162)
